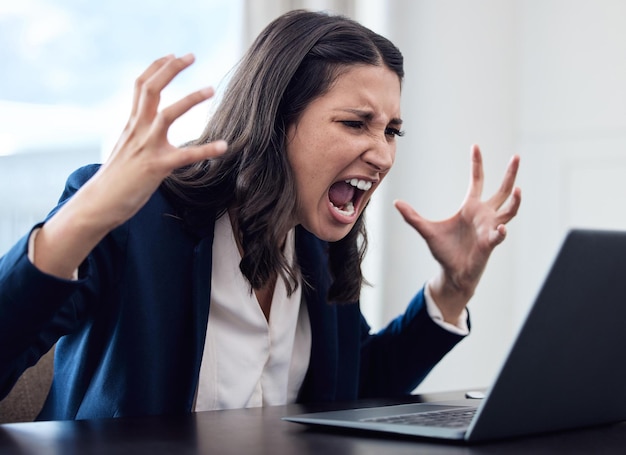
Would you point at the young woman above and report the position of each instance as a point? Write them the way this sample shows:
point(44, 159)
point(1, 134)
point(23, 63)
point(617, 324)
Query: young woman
point(226, 273)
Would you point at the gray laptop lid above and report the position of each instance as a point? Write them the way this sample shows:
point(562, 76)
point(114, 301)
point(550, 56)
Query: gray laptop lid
point(565, 369)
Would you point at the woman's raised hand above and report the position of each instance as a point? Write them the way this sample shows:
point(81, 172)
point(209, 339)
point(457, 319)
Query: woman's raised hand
point(141, 159)
point(463, 243)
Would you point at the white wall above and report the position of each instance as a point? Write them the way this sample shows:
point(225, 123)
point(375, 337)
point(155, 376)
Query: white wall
point(542, 78)
point(572, 122)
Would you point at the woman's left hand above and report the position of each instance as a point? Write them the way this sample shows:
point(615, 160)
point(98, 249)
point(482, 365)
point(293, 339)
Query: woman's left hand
point(463, 243)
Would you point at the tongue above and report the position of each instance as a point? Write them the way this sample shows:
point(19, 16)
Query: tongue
point(340, 194)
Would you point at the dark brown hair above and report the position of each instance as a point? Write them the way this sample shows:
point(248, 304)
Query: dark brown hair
point(294, 60)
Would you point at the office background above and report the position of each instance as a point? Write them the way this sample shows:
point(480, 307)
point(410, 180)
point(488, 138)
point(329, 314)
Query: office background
point(542, 78)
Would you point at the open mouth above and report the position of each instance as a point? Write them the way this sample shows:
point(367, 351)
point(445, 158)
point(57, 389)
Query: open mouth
point(346, 195)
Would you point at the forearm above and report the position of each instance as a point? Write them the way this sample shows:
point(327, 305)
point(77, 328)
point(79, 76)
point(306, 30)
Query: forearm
point(67, 238)
point(29, 302)
point(395, 360)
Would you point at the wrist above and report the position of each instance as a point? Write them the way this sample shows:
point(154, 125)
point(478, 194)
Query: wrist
point(451, 298)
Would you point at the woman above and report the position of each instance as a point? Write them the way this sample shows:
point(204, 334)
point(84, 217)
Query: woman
point(260, 220)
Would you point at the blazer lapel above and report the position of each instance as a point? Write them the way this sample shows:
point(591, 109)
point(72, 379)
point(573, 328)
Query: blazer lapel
point(320, 383)
point(201, 282)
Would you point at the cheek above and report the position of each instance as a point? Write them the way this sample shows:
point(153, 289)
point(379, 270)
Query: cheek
point(313, 165)
point(309, 179)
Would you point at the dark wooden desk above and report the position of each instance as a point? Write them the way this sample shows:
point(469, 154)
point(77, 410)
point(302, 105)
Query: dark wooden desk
point(261, 431)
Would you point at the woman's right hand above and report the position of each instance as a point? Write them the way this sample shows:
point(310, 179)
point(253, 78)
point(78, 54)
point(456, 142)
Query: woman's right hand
point(141, 159)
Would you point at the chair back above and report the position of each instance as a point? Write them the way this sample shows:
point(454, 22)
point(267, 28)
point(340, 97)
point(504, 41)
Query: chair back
point(27, 397)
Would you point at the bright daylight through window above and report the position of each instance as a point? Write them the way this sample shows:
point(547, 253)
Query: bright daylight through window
point(66, 85)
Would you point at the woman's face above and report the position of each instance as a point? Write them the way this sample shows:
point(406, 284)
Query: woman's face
point(342, 147)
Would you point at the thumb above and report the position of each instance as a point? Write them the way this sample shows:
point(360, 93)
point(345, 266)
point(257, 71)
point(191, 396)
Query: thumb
point(411, 216)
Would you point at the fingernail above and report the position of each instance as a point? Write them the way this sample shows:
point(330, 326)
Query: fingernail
point(207, 92)
point(220, 145)
point(188, 58)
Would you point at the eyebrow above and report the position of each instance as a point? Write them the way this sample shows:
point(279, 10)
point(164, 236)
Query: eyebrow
point(369, 115)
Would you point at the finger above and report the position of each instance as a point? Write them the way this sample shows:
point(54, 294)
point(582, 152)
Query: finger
point(412, 218)
point(475, 189)
point(150, 91)
point(497, 236)
point(512, 207)
point(196, 153)
point(167, 116)
point(506, 187)
point(141, 80)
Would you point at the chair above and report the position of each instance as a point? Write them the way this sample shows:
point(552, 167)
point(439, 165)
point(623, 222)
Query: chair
point(26, 399)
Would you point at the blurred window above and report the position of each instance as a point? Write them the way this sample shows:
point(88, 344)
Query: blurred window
point(66, 86)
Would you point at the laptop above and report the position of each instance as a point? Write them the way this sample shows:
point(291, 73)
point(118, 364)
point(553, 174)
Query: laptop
point(565, 369)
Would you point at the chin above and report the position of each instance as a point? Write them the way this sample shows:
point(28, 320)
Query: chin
point(330, 234)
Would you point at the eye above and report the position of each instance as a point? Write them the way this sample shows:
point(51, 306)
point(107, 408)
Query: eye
point(355, 124)
point(394, 132)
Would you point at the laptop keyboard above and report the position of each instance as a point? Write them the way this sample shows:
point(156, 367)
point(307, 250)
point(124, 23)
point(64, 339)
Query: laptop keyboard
point(449, 418)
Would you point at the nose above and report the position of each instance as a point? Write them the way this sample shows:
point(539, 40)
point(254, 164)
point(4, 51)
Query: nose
point(380, 155)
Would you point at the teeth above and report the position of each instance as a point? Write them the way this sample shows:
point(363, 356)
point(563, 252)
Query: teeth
point(360, 184)
point(348, 209)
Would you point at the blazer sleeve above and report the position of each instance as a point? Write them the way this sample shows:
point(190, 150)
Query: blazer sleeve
point(395, 360)
point(36, 309)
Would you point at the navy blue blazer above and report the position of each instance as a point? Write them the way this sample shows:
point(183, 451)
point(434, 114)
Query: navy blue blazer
point(130, 331)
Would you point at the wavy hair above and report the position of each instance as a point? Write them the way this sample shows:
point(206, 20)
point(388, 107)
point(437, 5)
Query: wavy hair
point(293, 61)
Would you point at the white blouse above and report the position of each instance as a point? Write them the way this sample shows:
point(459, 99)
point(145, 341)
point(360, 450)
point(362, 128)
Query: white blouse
point(249, 360)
